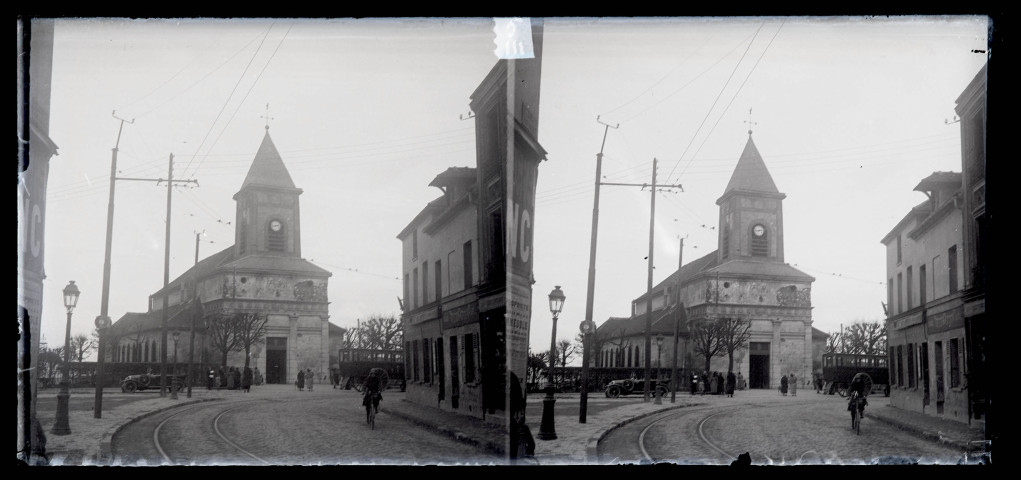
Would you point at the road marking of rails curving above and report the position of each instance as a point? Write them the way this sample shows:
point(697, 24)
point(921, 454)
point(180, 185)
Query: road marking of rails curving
point(216, 428)
point(701, 435)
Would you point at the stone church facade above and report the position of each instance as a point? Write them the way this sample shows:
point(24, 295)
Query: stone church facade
point(263, 272)
point(745, 278)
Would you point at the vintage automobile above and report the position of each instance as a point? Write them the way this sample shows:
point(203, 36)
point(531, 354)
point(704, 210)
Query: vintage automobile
point(628, 386)
point(149, 381)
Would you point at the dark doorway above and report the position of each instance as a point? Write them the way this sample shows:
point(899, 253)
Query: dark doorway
point(276, 360)
point(439, 368)
point(940, 390)
point(758, 365)
point(455, 380)
point(924, 361)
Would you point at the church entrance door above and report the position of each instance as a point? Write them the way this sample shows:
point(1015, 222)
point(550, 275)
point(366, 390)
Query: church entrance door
point(758, 365)
point(276, 360)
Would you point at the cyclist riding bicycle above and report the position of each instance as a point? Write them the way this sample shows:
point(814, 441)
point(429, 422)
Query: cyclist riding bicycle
point(857, 390)
point(371, 389)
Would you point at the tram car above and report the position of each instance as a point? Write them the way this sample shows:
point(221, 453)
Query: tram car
point(355, 363)
point(839, 368)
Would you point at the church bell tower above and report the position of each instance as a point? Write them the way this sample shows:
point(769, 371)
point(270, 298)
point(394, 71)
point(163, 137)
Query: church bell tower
point(751, 212)
point(268, 220)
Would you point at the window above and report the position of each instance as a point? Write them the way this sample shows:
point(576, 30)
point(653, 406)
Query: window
point(414, 288)
point(407, 358)
point(955, 362)
point(469, 357)
point(726, 241)
point(912, 374)
point(407, 297)
point(426, 367)
point(439, 281)
point(276, 240)
point(898, 248)
point(638, 363)
point(893, 362)
point(900, 292)
point(922, 284)
point(414, 359)
point(425, 282)
point(629, 356)
point(952, 267)
point(889, 297)
point(900, 365)
point(414, 243)
point(909, 289)
point(467, 252)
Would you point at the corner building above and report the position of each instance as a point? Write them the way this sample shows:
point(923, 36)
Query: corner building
point(745, 278)
point(263, 272)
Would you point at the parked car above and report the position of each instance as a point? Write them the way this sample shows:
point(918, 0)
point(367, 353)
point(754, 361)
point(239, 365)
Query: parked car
point(149, 381)
point(629, 386)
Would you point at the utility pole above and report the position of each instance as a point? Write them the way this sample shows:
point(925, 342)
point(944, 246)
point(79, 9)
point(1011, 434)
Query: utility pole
point(197, 235)
point(648, 294)
point(166, 270)
point(677, 323)
point(103, 320)
point(591, 277)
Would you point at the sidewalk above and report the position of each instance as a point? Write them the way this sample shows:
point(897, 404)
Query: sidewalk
point(968, 438)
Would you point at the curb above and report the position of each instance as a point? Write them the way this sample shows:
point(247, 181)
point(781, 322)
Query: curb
point(455, 434)
point(928, 435)
point(105, 455)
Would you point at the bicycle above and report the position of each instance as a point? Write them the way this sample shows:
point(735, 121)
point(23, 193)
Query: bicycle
point(371, 402)
point(856, 413)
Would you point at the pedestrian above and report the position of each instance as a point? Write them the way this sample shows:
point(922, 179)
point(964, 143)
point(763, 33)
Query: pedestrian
point(712, 384)
point(237, 378)
point(335, 377)
point(301, 380)
point(731, 383)
point(246, 380)
point(704, 384)
point(309, 378)
point(694, 383)
point(210, 377)
point(794, 384)
point(230, 378)
point(783, 385)
point(740, 381)
point(257, 376)
point(720, 383)
point(818, 383)
point(221, 381)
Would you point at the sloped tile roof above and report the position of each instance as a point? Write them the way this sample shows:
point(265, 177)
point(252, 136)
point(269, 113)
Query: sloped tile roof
point(751, 174)
point(268, 168)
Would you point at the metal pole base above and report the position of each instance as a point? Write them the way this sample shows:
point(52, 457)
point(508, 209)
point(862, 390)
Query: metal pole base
point(62, 426)
point(547, 430)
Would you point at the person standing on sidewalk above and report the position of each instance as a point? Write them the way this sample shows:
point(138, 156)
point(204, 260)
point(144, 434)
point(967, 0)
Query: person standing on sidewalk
point(783, 385)
point(301, 381)
point(210, 378)
point(731, 383)
point(794, 384)
point(694, 383)
point(310, 378)
point(246, 380)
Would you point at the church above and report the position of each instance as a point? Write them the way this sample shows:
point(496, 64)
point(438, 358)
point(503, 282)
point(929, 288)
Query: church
point(745, 278)
point(263, 272)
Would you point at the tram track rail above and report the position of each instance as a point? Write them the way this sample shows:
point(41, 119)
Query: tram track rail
point(159, 446)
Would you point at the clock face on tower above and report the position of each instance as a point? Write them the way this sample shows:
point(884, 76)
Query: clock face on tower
point(275, 225)
point(758, 230)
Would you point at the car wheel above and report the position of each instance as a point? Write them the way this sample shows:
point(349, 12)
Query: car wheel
point(662, 391)
point(129, 387)
point(629, 385)
point(613, 391)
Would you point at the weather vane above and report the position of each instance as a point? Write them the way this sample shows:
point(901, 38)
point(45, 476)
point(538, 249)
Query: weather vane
point(750, 122)
point(267, 117)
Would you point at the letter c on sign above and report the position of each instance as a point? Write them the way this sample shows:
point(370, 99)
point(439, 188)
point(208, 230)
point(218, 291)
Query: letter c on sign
point(526, 222)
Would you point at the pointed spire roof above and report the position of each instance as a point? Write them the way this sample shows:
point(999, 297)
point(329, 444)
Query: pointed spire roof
point(268, 168)
point(751, 173)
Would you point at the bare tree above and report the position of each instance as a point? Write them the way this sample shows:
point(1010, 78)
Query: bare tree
point(706, 339)
point(834, 343)
point(249, 330)
point(536, 364)
point(866, 337)
point(734, 334)
point(383, 333)
point(615, 338)
point(222, 331)
point(81, 345)
point(349, 340)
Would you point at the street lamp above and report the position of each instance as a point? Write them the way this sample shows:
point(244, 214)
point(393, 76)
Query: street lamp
point(547, 430)
point(62, 425)
point(659, 358)
point(173, 390)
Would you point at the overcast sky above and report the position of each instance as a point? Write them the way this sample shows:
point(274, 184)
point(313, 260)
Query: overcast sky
point(849, 114)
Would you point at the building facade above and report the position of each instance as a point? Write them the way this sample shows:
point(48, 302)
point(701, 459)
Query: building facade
point(263, 273)
point(925, 322)
point(466, 256)
point(971, 109)
point(745, 279)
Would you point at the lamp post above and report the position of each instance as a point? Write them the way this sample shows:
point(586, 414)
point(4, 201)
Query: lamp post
point(173, 389)
point(659, 361)
point(62, 425)
point(547, 430)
